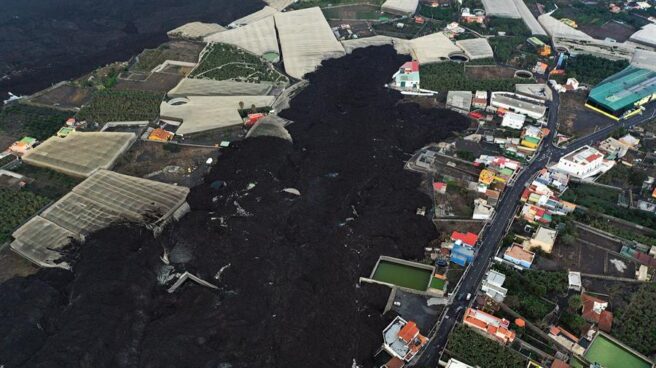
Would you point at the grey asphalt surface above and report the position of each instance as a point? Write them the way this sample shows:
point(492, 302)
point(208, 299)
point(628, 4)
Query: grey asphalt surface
point(495, 230)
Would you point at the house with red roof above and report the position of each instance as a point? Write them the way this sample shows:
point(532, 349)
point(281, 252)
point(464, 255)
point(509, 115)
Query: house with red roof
point(402, 340)
point(440, 187)
point(489, 325)
point(407, 78)
point(467, 238)
point(594, 311)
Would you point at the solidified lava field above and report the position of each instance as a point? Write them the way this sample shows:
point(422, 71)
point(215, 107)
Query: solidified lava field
point(45, 41)
point(290, 295)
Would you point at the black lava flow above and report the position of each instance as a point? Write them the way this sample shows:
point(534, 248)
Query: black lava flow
point(287, 265)
point(46, 41)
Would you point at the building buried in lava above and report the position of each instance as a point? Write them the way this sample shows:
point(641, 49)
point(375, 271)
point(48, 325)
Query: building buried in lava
point(102, 199)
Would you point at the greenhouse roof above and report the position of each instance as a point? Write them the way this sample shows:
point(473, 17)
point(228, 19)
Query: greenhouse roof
point(257, 37)
point(306, 40)
point(80, 153)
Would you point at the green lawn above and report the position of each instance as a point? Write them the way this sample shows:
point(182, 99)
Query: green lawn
point(437, 283)
point(611, 355)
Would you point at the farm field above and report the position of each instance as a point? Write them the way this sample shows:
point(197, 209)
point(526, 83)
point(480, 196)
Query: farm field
point(451, 76)
point(223, 62)
point(18, 120)
point(121, 106)
point(16, 208)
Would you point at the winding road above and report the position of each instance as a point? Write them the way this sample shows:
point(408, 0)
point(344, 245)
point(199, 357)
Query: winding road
point(495, 229)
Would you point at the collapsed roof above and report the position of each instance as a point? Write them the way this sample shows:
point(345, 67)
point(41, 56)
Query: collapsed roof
point(104, 198)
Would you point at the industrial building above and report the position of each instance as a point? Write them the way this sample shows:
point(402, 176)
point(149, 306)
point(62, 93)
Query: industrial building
point(459, 101)
point(623, 94)
point(528, 106)
point(80, 154)
point(104, 198)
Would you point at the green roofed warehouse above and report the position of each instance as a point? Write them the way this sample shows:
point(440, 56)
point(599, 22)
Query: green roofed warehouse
point(621, 95)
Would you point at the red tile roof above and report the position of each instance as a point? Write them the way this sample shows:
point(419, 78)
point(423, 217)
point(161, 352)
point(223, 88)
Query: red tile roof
point(408, 332)
point(467, 238)
point(412, 65)
point(439, 185)
point(605, 321)
point(593, 157)
point(559, 364)
point(395, 363)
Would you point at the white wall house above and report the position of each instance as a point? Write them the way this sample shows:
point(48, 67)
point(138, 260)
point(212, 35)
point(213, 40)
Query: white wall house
point(584, 163)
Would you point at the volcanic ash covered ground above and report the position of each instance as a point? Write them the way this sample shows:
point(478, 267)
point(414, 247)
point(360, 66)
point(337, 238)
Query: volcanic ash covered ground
point(287, 265)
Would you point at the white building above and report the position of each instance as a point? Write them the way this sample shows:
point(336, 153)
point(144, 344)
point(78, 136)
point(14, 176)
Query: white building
point(544, 238)
point(452, 363)
point(513, 121)
point(584, 163)
point(493, 286)
point(531, 107)
point(482, 210)
point(574, 280)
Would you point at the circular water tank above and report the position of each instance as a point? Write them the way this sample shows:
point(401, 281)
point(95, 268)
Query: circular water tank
point(458, 57)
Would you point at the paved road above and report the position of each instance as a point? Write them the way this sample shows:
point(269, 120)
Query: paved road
point(495, 229)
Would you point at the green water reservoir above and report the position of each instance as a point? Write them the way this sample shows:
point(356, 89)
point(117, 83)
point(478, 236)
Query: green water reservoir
point(402, 275)
point(611, 355)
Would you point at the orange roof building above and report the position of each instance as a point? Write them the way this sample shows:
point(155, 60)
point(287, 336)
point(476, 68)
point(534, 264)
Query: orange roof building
point(402, 340)
point(160, 135)
point(23, 145)
point(492, 326)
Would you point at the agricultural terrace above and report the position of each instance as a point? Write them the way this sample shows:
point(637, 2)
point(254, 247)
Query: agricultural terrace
point(604, 200)
point(222, 61)
point(527, 291)
point(25, 120)
point(114, 105)
point(451, 76)
point(470, 347)
point(178, 50)
point(591, 69)
point(16, 208)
